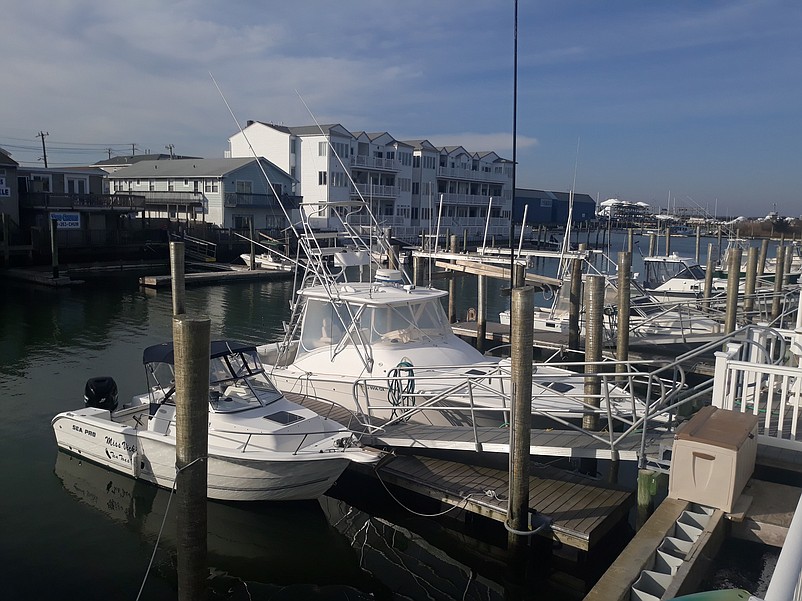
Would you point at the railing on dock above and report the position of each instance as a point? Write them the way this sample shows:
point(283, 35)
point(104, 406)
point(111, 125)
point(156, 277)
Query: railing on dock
point(635, 402)
point(197, 249)
point(762, 376)
point(630, 402)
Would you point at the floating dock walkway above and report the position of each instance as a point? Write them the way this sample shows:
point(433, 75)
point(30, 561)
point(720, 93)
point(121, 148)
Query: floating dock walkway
point(216, 277)
point(582, 509)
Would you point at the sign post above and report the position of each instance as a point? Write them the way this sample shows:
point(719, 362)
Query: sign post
point(54, 247)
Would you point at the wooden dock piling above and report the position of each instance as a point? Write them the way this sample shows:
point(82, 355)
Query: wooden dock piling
point(594, 343)
point(177, 282)
point(521, 318)
point(191, 343)
point(751, 279)
point(622, 331)
point(733, 280)
point(779, 269)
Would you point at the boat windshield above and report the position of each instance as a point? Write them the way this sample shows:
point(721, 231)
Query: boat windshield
point(328, 324)
point(659, 272)
point(237, 381)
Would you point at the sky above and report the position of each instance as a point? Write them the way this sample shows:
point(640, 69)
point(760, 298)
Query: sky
point(674, 103)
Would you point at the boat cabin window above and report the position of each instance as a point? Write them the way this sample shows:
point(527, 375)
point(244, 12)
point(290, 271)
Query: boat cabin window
point(237, 381)
point(659, 272)
point(324, 322)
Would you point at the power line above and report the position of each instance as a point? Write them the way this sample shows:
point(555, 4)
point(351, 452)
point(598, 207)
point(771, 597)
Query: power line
point(99, 144)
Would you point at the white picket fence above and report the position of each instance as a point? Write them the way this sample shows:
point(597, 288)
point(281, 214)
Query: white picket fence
point(764, 377)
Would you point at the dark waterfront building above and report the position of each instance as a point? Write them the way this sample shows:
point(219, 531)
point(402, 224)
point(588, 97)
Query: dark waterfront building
point(551, 208)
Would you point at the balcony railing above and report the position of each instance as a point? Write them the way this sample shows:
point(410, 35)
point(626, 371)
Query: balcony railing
point(375, 163)
point(470, 174)
point(54, 200)
point(264, 201)
point(375, 191)
point(168, 197)
point(469, 199)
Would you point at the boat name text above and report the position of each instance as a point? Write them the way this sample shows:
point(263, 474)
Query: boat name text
point(78, 428)
point(117, 444)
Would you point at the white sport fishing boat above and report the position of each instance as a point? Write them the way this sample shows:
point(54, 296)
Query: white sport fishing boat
point(651, 322)
point(674, 277)
point(268, 261)
point(380, 346)
point(384, 348)
point(262, 447)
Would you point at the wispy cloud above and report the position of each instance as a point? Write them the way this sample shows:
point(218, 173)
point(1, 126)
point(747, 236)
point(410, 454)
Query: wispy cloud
point(657, 91)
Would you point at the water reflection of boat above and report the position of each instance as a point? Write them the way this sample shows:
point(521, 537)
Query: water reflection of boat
point(286, 544)
point(419, 569)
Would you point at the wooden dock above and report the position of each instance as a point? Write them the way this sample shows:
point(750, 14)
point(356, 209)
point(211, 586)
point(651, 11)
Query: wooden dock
point(581, 510)
point(217, 277)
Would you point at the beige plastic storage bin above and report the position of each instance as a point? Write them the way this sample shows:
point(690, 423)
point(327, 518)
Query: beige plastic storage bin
point(713, 457)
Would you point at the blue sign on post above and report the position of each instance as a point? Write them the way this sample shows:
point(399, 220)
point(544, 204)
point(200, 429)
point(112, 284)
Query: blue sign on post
point(67, 221)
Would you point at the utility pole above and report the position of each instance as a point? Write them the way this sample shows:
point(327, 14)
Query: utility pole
point(170, 148)
point(42, 135)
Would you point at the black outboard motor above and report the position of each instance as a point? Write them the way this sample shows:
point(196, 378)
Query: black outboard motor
point(101, 393)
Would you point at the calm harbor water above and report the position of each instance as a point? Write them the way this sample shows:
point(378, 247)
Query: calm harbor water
point(73, 530)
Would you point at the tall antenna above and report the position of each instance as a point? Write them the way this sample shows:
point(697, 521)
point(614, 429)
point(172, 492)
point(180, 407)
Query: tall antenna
point(514, 147)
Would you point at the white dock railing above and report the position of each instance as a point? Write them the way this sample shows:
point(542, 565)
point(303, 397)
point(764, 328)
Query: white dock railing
point(763, 377)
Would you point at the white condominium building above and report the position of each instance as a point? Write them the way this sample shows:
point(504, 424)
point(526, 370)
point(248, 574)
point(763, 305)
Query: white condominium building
point(410, 185)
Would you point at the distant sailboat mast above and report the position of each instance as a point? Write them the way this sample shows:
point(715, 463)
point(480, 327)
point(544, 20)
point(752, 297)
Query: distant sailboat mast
point(567, 237)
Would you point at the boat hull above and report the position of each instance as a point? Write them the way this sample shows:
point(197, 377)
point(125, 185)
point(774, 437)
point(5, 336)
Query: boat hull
point(232, 476)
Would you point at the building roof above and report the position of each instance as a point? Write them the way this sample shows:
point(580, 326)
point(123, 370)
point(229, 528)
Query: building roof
point(188, 168)
point(307, 130)
point(66, 170)
point(5, 158)
point(420, 144)
point(528, 193)
point(137, 158)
